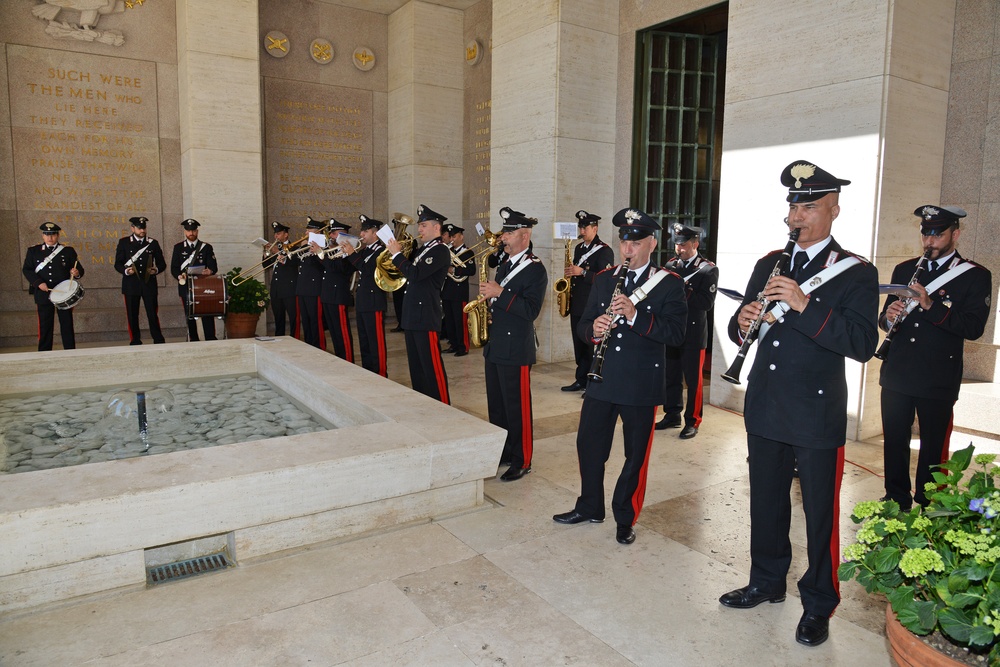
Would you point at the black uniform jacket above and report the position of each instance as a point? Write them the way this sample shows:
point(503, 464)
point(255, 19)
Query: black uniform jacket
point(310, 279)
point(337, 282)
point(701, 288)
point(204, 255)
point(512, 331)
point(54, 272)
point(633, 364)
point(425, 274)
point(580, 286)
point(456, 286)
point(283, 276)
point(925, 357)
point(370, 297)
point(127, 247)
point(797, 391)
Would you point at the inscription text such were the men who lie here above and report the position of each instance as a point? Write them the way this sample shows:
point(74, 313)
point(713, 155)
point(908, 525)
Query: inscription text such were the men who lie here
point(85, 149)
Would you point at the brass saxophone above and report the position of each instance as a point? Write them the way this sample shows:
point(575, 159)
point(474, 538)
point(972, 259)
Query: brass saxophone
point(562, 286)
point(479, 312)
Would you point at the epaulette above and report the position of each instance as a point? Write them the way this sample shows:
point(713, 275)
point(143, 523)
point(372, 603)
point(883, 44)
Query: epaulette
point(851, 254)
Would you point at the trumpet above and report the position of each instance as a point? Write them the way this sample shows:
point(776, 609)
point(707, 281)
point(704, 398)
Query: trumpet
point(883, 350)
point(733, 373)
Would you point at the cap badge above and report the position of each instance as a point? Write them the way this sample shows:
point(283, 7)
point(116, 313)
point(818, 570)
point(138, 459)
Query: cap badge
point(929, 212)
point(420, 210)
point(505, 214)
point(632, 214)
point(801, 171)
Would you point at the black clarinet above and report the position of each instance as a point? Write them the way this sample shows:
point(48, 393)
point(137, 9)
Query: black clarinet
point(733, 374)
point(883, 350)
point(597, 363)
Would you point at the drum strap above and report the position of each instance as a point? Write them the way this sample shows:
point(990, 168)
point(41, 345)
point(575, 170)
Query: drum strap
point(194, 251)
point(45, 262)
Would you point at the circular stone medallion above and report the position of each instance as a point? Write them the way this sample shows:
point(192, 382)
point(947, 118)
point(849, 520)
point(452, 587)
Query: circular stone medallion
point(276, 44)
point(364, 58)
point(473, 52)
point(321, 51)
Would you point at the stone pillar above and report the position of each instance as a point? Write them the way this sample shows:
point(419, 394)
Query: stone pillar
point(862, 92)
point(426, 57)
point(220, 127)
point(553, 128)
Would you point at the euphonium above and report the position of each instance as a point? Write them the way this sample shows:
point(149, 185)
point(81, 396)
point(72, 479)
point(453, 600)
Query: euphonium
point(562, 286)
point(387, 276)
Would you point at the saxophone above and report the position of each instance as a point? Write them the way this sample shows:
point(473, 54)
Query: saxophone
point(478, 311)
point(562, 286)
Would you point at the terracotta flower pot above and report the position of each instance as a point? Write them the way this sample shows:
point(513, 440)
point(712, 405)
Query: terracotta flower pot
point(907, 648)
point(241, 325)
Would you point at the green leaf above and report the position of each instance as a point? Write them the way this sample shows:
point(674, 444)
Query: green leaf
point(886, 559)
point(981, 635)
point(846, 570)
point(964, 600)
point(957, 582)
point(956, 624)
point(902, 598)
point(915, 542)
point(910, 619)
point(927, 613)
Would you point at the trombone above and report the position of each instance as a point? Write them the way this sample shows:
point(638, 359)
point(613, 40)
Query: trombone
point(272, 251)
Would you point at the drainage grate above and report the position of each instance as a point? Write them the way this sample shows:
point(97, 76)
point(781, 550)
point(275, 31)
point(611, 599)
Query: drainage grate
point(187, 568)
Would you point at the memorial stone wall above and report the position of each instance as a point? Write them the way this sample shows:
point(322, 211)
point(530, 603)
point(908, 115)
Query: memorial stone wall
point(89, 137)
point(325, 113)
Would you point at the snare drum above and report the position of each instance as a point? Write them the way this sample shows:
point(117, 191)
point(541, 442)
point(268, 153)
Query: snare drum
point(206, 296)
point(66, 294)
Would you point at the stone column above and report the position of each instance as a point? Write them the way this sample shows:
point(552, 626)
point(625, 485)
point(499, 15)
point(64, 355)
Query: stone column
point(426, 57)
point(861, 91)
point(553, 128)
point(220, 127)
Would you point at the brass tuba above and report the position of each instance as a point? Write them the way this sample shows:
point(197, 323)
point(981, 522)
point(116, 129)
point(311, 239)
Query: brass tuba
point(561, 286)
point(387, 276)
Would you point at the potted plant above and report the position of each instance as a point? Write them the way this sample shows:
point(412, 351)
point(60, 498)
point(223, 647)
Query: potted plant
point(939, 566)
point(245, 302)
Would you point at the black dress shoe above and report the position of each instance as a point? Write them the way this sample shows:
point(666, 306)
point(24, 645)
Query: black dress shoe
point(813, 629)
point(461, 353)
point(396, 330)
point(688, 432)
point(574, 517)
point(450, 350)
point(668, 421)
point(749, 597)
point(625, 534)
point(514, 473)
point(576, 386)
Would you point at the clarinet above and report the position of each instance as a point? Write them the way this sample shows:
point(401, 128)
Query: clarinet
point(883, 350)
point(733, 374)
point(597, 363)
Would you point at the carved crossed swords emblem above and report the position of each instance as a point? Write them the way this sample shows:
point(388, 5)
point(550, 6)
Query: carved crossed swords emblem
point(130, 4)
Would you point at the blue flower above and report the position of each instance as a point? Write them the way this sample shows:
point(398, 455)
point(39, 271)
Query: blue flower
point(989, 513)
point(976, 505)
